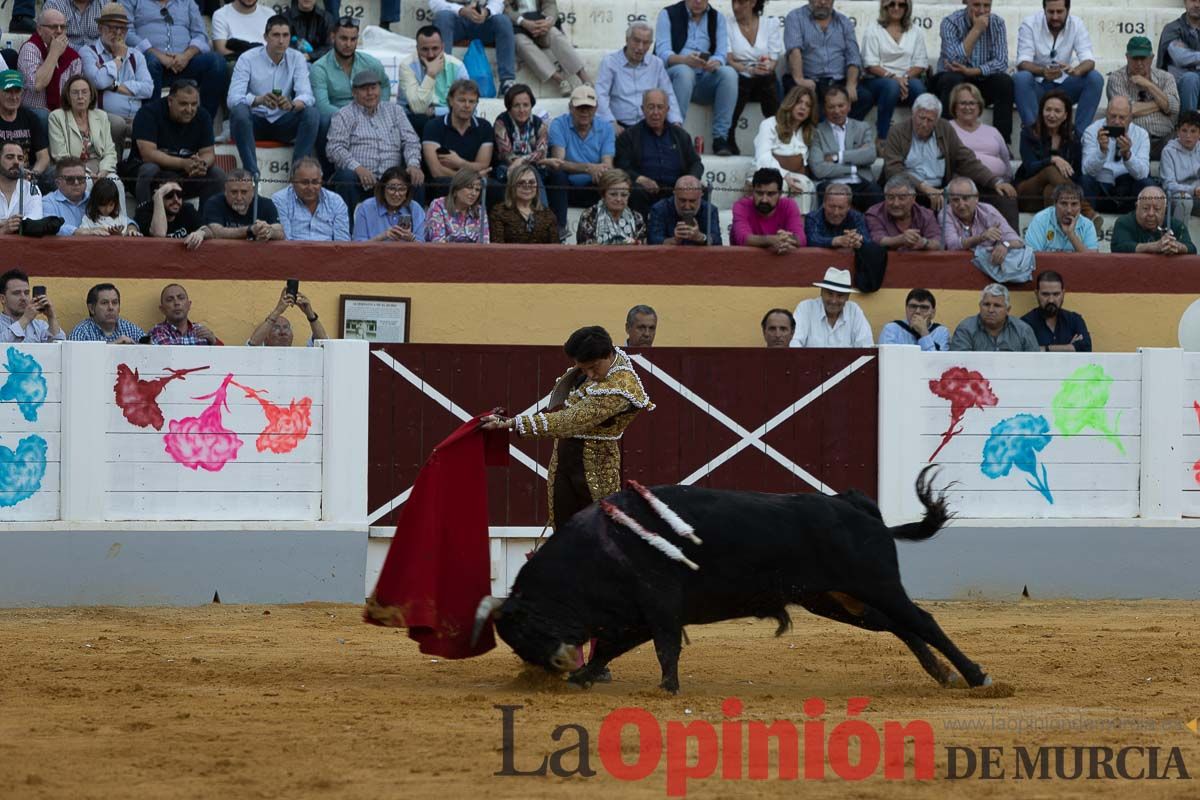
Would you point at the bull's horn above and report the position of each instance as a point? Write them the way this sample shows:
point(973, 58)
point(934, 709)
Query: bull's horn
point(488, 607)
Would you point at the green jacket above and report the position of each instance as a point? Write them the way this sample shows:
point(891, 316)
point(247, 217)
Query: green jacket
point(1127, 234)
point(331, 85)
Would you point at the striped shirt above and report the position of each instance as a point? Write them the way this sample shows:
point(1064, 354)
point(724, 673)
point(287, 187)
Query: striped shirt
point(89, 331)
point(82, 28)
point(376, 141)
point(990, 53)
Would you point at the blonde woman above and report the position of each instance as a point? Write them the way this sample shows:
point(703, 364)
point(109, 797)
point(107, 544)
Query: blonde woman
point(612, 221)
point(895, 61)
point(521, 218)
point(782, 144)
point(459, 216)
point(80, 130)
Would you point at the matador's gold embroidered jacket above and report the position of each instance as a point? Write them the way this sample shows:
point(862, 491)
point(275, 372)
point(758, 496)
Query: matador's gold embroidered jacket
point(597, 412)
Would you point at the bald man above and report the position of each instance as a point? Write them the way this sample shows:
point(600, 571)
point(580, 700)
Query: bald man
point(1116, 159)
point(685, 218)
point(1146, 229)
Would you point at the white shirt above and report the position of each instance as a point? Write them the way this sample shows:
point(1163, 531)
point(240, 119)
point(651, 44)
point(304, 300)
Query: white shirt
point(229, 23)
point(11, 206)
point(768, 42)
point(1034, 42)
point(839, 133)
point(812, 326)
point(767, 145)
point(879, 49)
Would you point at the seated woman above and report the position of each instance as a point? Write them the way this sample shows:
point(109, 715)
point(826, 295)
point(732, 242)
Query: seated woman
point(534, 23)
point(391, 215)
point(612, 221)
point(755, 46)
point(103, 213)
point(1051, 154)
point(459, 216)
point(82, 131)
point(895, 61)
point(521, 137)
point(521, 218)
point(966, 104)
point(782, 143)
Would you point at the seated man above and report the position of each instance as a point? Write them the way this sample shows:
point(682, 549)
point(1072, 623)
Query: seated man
point(308, 212)
point(641, 325)
point(830, 320)
point(19, 125)
point(918, 326)
point(992, 329)
point(836, 224)
point(70, 198)
point(19, 316)
point(481, 20)
point(928, 149)
point(1179, 54)
point(1180, 167)
point(843, 151)
point(47, 61)
point(366, 138)
point(686, 218)
point(967, 223)
point(426, 78)
point(104, 322)
point(276, 331)
point(166, 216)
point(655, 153)
point(239, 26)
point(626, 75)
point(1116, 159)
point(240, 213)
point(1062, 228)
point(119, 73)
point(173, 139)
point(270, 97)
point(898, 223)
point(767, 218)
point(171, 34)
point(459, 139)
point(822, 51)
point(975, 50)
point(581, 150)
point(1146, 229)
point(331, 76)
point(1056, 329)
point(176, 328)
point(1047, 43)
point(1153, 92)
point(692, 39)
point(778, 327)
point(19, 198)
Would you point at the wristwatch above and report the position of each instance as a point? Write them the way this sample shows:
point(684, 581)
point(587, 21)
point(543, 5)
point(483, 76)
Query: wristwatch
point(314, 317)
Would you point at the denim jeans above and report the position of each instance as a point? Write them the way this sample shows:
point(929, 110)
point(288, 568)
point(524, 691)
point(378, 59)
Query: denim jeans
point(1118, 198)
point(298, 128)
point(1085, 92)
point(209, 72)
point(718, 89)
point(886, 92)
point(496, 31)
point(1189, 91)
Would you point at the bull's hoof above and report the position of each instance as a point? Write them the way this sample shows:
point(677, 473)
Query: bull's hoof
point(603, 676)
point(582, 681)
point(987, 680)
point(670, 686)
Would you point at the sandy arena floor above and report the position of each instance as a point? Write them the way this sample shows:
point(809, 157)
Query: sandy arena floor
point(307, 701)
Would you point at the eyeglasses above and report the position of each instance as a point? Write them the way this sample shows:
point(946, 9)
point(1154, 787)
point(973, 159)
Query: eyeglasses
point(348, 22)
point(73, 180)
point(395, 188)
point(54, 27)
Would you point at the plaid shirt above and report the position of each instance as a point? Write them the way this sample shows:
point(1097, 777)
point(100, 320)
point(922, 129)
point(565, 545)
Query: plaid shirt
point(82, 28)
point(89, 331)
point(376, 141)
point(990, 53)
point(166, 333)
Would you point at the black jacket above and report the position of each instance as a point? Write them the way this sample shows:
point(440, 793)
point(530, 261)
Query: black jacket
point(315, 27)
point(629, 151)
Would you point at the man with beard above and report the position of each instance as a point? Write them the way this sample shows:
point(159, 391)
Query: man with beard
point(166, 216)
point(236, 214)
point(176, 328)
point(1047, 43)
point(18, 197)
point(918, 326)
point(1179, 54)
point(822, 51)
point(1146, 230)
point(641, 324)
point(992, 329)
point(1056, 329)
point(831, 320)
point(332, 74)
point(104, 322)
point(767, 219)
point(19, 311)
point(1061, 228)
point(1153, 91)
point(778, 326)
point(175, 136)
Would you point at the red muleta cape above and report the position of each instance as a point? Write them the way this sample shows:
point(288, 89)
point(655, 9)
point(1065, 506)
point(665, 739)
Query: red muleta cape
point(438, 566)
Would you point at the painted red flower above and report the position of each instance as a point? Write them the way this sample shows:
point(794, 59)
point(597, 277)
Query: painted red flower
point(204, 441)
point(286, 427)
point(138, 399)
point(965, 389)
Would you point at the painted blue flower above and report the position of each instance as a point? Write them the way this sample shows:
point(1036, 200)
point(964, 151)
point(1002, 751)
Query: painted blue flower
point(25, 384)
point(21, 472)
point(1015, 442)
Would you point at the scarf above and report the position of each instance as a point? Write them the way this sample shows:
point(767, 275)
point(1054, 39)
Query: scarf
point(614, 231)
point(54, 88)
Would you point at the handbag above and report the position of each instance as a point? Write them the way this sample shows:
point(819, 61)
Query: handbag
point(479, 69)
point(1017, 266)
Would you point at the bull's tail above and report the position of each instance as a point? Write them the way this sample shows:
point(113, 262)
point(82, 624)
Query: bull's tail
point(937, 513)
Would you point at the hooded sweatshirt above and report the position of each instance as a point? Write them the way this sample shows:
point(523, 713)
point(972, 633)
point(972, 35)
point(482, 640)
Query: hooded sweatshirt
point(1180, 168)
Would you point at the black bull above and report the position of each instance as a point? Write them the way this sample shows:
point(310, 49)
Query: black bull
point(760, 553)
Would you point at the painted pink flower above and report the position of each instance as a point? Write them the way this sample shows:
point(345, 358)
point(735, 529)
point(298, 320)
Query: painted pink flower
point(138, 399)
point(204, 441)
point(965, 389)
point(286, 427)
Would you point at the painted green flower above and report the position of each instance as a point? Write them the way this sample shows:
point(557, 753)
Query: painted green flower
point(1082, 402)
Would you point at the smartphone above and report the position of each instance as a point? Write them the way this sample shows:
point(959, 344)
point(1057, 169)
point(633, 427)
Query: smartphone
point(39, 291)
point(705, 56)
point(1115, 131)
point(443, 151)
point(293, 287)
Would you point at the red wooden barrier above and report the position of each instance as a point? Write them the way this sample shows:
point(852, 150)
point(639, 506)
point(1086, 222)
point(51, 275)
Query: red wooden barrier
point(755, 419)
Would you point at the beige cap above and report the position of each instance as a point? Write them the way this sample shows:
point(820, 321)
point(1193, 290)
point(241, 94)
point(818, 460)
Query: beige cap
point(583, 96)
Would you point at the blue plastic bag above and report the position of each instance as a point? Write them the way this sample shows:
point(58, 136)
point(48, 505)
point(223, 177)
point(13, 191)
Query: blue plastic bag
point(479, 69)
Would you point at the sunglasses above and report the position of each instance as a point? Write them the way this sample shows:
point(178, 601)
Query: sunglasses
point(527, 184)
point(73, 179)
point(896, 5)
point(166, 15)
point(174, 194)
point(347, 22)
